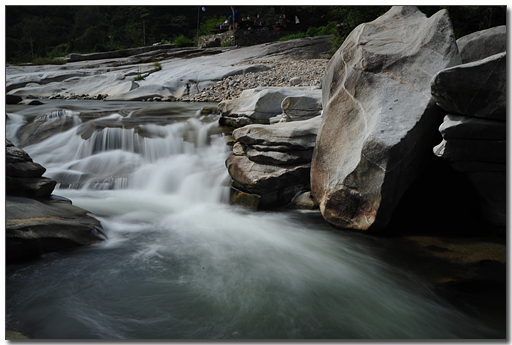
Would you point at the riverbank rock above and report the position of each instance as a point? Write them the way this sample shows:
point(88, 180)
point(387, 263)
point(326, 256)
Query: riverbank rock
point(273, 161)
point(35, 227)
point(476, 89)
point(474, 131)
point(379, 118)
point(12, 99)
point(258, 106)
point(23, 176)
point(36, 221)
point(481, 44)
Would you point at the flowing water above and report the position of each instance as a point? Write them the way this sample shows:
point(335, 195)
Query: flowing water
point(181, 263)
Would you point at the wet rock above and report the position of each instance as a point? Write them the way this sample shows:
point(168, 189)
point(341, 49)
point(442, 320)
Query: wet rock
point(31, 102)
point(379, 118)
point(23, 176)
point(12, 99)
point(47, 125)
point(303, 201)
point(35, 227)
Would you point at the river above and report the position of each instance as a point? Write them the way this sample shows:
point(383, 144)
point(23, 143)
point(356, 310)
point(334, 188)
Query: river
point(181, 263)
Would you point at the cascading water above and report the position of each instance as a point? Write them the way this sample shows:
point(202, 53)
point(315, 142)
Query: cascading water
point(180, 263)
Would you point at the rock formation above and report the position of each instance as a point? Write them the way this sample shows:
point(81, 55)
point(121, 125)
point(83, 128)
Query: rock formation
point(36, 221)
point(23, 176)
point(378, 115)
point(272, 162)
point(474, 131)
point(180, 76)
point(481, 44)
point(258, 106)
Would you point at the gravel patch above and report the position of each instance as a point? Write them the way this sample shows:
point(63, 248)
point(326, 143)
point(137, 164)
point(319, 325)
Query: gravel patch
point(288, 73)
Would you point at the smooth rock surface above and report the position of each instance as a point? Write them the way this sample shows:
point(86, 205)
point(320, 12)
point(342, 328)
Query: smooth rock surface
point(259, 105)
point(35, 227)
point(482, 44)
point(379, 121)
point(180, 77)
point(476, 89)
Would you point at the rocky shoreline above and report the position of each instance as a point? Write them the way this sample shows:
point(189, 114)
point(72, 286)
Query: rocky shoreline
point(367, 157)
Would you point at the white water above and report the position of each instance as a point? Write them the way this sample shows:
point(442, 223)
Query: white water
point(180, 263)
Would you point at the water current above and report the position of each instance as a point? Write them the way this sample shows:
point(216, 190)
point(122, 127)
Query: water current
point(181, 263)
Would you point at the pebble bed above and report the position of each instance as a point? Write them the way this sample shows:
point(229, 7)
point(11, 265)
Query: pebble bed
point(285, 73)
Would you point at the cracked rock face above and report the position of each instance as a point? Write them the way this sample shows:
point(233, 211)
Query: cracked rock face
point(379, 119)
point(273, 162)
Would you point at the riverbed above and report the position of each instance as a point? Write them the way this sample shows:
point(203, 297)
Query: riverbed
point(180, 262)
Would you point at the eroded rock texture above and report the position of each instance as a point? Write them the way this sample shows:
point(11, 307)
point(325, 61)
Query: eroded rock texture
point(272, 162)
point(378, 115)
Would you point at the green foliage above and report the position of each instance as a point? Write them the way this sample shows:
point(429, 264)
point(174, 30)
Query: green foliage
point(329, 29)
point(158, 66)
point(60, 50)
point(293, 37)
point(210, 24)
point(138, 77)
point(182, 41)
point(226, 43)
point(53, 31)
point(163, 41)
point(47, 61)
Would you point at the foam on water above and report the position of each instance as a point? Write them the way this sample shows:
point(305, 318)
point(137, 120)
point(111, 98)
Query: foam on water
point(180, 263)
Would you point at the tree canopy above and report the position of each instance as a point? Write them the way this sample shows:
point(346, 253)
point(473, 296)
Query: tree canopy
point(51, 31)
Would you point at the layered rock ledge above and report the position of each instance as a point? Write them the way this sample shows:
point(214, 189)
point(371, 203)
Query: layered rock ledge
point(474, 130)
point(38, 222)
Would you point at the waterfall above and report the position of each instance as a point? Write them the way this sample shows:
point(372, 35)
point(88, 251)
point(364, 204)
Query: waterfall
point(181, 263)
point(179, 158)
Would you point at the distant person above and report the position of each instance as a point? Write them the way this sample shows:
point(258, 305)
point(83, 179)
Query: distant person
point(237, 17)
point(230, 21)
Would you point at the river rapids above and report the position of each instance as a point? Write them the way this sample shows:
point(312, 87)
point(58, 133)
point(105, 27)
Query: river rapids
point(181, 263)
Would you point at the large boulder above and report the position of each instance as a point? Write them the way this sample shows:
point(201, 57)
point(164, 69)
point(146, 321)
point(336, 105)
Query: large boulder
point(24, 176)
point(272, 162)
point(299, 108)
point(379, 118)
point(34, 227)
point(476, 89)
point(36, 221)
point(481, 44)
point(474, 131)
point(257, 106)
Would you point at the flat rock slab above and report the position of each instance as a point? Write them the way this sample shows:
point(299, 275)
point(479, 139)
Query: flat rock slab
point(379, 121)
point(177, 77)
point(35, 227)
